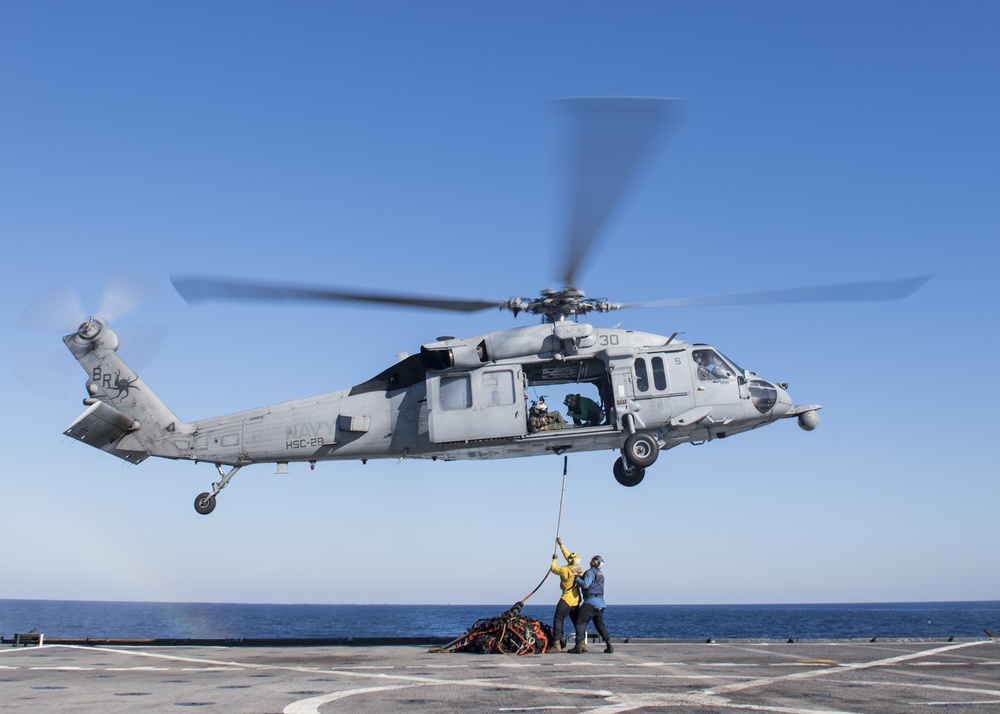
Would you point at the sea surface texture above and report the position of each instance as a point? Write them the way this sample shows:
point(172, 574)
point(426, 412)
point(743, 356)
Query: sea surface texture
point(126, 620)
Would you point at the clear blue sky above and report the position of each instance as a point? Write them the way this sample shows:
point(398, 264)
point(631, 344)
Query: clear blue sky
point(414, 147)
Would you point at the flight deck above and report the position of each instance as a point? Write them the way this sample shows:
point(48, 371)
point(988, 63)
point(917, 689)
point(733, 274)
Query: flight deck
point(829, 676)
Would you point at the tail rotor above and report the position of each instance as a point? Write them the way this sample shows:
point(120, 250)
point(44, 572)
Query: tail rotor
point(60, 309)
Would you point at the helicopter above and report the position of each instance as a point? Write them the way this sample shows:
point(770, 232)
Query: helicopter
point(465, 398)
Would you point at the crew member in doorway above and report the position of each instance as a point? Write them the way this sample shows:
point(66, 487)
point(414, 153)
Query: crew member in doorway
point(583, 410)
point(541, 419)
point(569, 602)
point(592, 590)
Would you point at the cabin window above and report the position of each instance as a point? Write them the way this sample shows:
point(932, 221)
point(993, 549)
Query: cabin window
point(641, 376)
point(659, 374)
point(498, 388)
point(456, 392)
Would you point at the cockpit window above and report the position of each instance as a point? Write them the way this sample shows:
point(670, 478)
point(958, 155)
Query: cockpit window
point(739, 370)
point(712, 366)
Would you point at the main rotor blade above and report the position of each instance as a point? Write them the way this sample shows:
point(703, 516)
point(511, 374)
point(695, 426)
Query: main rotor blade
point(194, 289)
point(610, 137)
point(841, 292)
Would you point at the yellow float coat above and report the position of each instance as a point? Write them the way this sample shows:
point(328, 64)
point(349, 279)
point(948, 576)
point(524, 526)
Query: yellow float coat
point(567, 578)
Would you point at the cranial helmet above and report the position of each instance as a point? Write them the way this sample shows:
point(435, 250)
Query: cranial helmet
point(573, 558)
point(570, 398)
point(596, 562)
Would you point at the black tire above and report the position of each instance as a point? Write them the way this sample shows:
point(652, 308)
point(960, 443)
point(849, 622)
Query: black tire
point(205, 503)
point(641, 449)
point(628, 476)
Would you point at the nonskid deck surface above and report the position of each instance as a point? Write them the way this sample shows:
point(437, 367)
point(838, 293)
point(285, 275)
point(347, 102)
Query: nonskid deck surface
point(893, 675)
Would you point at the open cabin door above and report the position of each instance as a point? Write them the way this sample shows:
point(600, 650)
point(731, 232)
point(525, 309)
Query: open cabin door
point(485, 403)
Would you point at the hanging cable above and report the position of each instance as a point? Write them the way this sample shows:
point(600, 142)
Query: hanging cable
point(510, 632)
point(562, 497)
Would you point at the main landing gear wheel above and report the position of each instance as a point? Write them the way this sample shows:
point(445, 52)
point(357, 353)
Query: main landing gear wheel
point(628, 475)
point(205, 503)
point(641, 449)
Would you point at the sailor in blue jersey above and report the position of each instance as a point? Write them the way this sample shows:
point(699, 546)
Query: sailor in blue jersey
point(592, 590)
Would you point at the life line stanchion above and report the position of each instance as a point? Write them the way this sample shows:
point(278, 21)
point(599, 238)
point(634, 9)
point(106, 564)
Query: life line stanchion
point(505, 619)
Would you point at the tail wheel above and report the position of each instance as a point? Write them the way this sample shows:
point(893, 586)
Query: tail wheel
point(628, 475)
point(205, 503)
point(641, 449)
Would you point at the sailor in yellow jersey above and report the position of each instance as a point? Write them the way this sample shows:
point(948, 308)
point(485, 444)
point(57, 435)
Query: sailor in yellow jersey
point(569, 603)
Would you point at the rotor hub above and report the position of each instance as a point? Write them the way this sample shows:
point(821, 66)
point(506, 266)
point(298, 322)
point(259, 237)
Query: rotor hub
point(556, 305)
point(89, 329)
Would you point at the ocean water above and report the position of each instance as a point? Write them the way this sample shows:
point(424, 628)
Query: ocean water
point(81, 619)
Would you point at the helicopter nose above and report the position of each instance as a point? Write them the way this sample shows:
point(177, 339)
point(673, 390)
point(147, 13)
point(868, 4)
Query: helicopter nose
point(784, 401)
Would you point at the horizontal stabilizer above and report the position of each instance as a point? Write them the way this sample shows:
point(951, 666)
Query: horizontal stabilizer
point(102, 426)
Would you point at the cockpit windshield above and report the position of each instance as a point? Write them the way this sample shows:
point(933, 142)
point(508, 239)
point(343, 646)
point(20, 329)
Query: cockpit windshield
point(739, 370)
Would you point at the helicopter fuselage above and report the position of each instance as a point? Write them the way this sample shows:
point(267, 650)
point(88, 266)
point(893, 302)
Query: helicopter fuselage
point(458, 398)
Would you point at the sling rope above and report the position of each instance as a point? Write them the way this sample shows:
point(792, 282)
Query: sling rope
point(510, 632)
point(562, 497)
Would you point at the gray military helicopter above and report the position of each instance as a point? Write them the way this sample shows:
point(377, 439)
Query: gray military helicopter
point(465, 398)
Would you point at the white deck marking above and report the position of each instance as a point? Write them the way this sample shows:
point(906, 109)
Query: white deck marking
point(950, 688)
point(971, 703)
point(312, 705)
point(765, 681)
